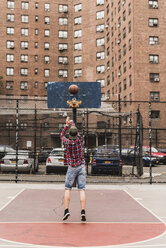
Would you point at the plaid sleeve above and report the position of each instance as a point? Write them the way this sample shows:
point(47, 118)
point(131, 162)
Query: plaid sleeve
point(63, 133)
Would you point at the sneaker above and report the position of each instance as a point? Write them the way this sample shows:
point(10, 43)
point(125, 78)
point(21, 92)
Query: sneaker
point(66, 214)
point(83, 216)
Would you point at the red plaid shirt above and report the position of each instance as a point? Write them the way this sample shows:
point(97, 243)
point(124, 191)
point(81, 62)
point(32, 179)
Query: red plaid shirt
point(74, 152)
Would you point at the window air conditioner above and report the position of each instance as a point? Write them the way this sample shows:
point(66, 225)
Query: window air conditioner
point(9, 87)
point(106, 26)
point(118, 41)
point(118, 25)
point(123, 3)
point(61, 49)
point(119, 74)
point(156, 79)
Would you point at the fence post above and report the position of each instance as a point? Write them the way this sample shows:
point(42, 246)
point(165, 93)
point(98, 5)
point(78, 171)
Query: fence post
point(35, 129)
point(150, 142)
point(17, 139)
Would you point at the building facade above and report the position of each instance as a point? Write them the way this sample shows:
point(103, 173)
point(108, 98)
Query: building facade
point(120, 43)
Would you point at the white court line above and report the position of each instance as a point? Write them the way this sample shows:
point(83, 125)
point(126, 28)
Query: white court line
point(76, 222)
point(12, 199)
point(141, 204)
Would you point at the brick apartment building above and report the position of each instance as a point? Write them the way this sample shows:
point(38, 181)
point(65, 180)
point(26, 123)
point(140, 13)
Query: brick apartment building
point(120, 43)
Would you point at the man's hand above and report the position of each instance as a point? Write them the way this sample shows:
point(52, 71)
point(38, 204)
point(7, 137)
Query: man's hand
point(68, 121)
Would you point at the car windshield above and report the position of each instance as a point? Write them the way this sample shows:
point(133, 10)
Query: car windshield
point(108, 152)
point(57, 153)
point(153, 149)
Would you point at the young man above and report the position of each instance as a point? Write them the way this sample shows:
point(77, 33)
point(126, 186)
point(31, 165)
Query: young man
point(74, 158)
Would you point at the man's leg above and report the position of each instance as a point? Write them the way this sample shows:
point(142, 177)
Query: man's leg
point(67, 196)
point(82, 199)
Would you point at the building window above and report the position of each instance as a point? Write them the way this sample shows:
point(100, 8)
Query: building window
point(46, 32)
point(24, 5)
point(130, 62)
point(101, 124)
point(124, 15)
point(108, 37)
point(78, 20)
point(125, 101)
point(36, 5)
point(78, 59)
point(45, 85)
point(129, 44)
point(63, 21)
point(100, 28)
point(119, 6)
point(130, 80)
point(119, 71)
point(100, 55)
point(154, 59)
point(36, 18)
point(120, 87)
point(62, 73)
point(10, 57)
point(78, 46)
point(78, 73)
point(63, 47)
point(24, 44)
point(36, 44)
point(108, 79)
point(23, 125)
point(63, 8)
point(153, 22)
point(153, 40)
point(9, 85)
point(24, 58)
point(102, 82)
point(35, 84)
point(77, 33)
point(153, 4)
point(130, 96)
point(46, 59)
point(119, 54)
point(154, 96)
point(125, 84)
point(77, 7)
point(100, 69)
point(99, 2)
point(10, 44)
point(63, 34)
point(100, 42)
point(24, 71)
point(23, 98)
point(47, 7)
point(36, 31)
point(47, 20)
point(36, 71)
point(124, 33)
point(124, 67)
point(10, 4)
point(24, 31)
point(100, 15)
point(108, 51)
point(154, 77)
point(46, 72)
point(129, 8)
point(10, 17)
point(129, 26)
point(155, 114)
point(10, 71)
point(63, 60)
point(36, 58)
point(25, 18)
point(10, 31)
point(23, 85)
point(46, 46)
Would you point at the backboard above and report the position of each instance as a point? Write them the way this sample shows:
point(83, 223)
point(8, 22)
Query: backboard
point(89, 94)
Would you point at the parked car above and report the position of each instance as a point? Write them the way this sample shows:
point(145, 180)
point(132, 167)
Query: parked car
point(55, 161)
point(43, 154)
point(128, 157)
point(155, 153)
point(25, 161)
point(107, 160)
point(4, 149)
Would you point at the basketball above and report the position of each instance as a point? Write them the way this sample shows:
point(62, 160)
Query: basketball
point(73, 89)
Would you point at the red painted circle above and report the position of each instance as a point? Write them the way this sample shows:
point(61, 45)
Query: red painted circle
point(80, 234)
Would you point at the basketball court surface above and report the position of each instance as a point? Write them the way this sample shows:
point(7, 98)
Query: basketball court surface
point(127, 216)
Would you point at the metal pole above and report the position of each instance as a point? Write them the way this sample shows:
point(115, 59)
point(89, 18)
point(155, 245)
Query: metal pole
point(75, 115)
point(120, 124)
point(35, 127)
point(150, 142)
point(17, 140)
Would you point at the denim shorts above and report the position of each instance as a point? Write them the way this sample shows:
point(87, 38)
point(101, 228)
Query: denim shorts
point(77, 173)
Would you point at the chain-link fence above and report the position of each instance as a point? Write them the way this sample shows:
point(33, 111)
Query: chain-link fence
point(29, 132)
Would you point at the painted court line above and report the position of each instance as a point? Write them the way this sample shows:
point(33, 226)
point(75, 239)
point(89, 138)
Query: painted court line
point(150, 211)
point(11, 199)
